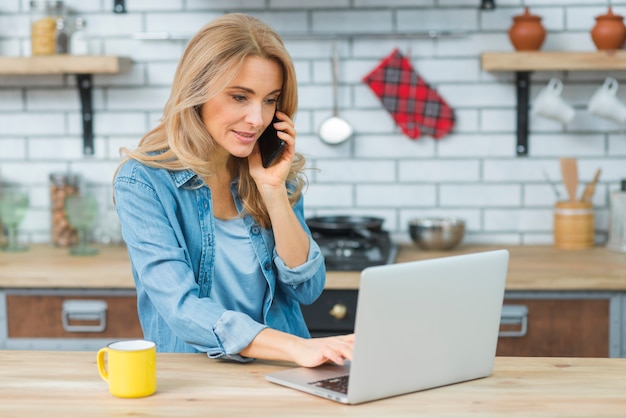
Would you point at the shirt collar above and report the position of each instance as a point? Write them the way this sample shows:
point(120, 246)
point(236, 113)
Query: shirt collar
point(182, 177)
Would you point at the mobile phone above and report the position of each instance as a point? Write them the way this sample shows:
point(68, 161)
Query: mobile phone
point(270, 144)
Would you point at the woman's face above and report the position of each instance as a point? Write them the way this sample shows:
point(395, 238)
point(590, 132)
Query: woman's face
point(238, 115)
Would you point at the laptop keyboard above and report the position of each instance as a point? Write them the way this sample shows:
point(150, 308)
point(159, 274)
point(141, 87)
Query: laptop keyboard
point(337, 384)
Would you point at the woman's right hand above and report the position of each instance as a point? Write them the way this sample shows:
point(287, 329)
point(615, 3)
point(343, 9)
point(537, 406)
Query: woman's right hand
point(317, 351)
point(271, 344)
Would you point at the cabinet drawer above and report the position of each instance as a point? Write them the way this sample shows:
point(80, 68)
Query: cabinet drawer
point(561, 327)
point(68, 316)
point(333, 313)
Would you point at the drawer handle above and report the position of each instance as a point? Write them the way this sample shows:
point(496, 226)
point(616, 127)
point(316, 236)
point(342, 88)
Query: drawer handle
point(514, 315)
point(84, 310)
point(339, 311)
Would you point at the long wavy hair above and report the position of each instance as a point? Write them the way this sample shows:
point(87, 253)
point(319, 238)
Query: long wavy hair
point(210, 61)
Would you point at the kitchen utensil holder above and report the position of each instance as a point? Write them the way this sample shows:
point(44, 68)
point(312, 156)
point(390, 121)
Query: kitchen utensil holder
point(574, 225)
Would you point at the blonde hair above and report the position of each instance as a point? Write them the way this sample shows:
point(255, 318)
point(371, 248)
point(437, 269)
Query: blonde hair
point(210, 61)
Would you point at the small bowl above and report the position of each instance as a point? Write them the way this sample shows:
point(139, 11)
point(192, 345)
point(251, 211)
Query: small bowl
point(437, 233)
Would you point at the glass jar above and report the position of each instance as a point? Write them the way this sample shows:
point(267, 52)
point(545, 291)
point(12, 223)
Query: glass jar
point(43, 26)
point(61, 186)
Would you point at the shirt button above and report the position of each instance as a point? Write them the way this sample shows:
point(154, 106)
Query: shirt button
point(255, 230)
point(267, 266)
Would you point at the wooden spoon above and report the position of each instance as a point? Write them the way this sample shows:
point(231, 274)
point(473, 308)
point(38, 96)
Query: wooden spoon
point(590, 187)
point(569, 171)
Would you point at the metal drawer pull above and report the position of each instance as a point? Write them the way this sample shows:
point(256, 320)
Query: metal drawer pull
point(339, 311)
point(84, 310)
point(514, 315)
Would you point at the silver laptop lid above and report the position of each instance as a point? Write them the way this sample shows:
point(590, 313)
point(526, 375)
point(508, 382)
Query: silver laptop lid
point(426, 323)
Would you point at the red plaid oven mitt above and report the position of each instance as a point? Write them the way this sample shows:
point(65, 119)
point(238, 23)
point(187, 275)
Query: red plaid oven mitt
point(415, 106)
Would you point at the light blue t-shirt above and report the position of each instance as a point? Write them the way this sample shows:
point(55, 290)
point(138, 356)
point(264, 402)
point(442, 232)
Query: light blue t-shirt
point(239, 284)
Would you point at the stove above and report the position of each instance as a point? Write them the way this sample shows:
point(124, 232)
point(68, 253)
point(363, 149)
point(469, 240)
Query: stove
point(354, 251)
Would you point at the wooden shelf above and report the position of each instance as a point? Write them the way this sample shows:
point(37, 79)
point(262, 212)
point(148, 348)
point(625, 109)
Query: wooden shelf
point(63, 64)
point(524, 62)
point(81, 66)
point(553, 61)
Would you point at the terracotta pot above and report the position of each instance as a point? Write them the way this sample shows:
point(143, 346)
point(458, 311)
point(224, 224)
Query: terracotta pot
point(527, 32)
point(609, 31)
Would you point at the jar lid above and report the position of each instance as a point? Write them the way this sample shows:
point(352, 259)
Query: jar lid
point(526, 16)
point(610, 16)
point(46, 5)
point(65, 179)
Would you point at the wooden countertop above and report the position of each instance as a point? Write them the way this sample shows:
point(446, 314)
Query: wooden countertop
point(64, 384)
point(530, 268)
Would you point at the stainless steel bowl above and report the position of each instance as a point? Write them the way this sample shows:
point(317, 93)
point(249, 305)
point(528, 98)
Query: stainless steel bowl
point(437, 233)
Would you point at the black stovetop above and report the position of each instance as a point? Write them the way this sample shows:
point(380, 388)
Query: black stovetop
point(353, 252)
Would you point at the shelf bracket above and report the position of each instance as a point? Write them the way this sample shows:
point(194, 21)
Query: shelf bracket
point(85, 85)
point(522, 81)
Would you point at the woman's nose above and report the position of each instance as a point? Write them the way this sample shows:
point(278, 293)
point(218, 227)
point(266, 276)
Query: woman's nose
point(254, 116)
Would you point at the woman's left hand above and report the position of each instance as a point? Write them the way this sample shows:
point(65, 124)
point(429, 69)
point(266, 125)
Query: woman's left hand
point(275, 174)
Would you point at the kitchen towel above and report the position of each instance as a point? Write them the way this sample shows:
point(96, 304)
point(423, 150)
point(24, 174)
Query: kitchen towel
point(416, 107)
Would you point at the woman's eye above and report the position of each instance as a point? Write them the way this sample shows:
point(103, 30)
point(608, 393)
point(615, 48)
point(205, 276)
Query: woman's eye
point(239, 98)
point(271, 101)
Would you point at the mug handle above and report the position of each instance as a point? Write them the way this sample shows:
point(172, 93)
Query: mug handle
point(104, 374)
point(610, 84)
point(556, 85)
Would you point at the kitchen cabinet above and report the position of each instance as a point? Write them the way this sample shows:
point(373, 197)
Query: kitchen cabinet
point(575, 301)
point(68, 319)
point(82, 66)
point(523, 62)
point(333, 313)
point(51, 300)
point(567, 327)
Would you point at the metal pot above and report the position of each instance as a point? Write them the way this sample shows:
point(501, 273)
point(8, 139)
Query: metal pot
point(345, 225)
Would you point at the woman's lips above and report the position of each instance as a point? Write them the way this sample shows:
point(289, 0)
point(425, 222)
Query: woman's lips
point(245, 137)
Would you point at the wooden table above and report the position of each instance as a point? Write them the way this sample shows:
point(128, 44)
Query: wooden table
point(67, 384)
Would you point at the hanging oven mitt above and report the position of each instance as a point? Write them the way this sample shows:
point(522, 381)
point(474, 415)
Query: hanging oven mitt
point(415, 106)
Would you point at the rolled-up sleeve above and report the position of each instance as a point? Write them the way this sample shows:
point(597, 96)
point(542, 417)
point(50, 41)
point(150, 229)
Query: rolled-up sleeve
point(305, 282)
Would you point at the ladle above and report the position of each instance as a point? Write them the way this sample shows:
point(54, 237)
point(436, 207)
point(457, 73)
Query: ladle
point(335, 130)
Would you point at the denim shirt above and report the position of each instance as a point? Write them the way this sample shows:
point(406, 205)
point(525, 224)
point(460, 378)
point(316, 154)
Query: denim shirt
point(168, 226)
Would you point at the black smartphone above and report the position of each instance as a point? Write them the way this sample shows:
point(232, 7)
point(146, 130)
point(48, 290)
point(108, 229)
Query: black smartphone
point(270, 144)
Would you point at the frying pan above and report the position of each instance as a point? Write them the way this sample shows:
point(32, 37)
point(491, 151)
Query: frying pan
point(344, 225)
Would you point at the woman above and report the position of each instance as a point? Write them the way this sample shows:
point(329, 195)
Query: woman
point(220, 252)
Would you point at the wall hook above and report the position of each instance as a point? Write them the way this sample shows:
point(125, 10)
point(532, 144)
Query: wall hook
point(488, 5)
point(119, 6)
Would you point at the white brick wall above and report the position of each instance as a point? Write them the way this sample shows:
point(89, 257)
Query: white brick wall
point(472, 173)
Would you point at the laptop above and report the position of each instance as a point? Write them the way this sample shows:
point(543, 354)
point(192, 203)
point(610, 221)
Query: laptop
point(419, 325)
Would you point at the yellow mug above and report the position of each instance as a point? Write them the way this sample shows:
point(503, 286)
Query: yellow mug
point(130, 368)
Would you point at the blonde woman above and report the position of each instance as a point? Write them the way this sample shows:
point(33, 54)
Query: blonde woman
point(220, 253)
